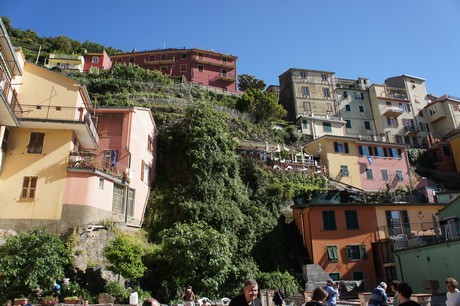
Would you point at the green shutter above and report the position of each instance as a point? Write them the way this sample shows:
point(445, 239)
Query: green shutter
point(389, 223)
point(363, 251)
point(406, 222)
point(346, 147)
point(349, 252)
point(336, 146)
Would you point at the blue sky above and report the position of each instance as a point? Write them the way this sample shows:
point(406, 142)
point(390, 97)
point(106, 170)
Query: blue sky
point(353, 38)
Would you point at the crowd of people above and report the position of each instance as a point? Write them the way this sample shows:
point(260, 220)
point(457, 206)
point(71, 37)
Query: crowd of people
point(328, 295)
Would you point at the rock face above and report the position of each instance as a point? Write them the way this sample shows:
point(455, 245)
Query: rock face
point(5, 234)
point(90, 266)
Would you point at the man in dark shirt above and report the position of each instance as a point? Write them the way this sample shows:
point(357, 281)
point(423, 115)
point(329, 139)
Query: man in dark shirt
point(249, 296)
point(405, 291)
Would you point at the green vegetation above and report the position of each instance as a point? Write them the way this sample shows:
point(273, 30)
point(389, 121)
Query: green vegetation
point(31, 260)
point(214, 218)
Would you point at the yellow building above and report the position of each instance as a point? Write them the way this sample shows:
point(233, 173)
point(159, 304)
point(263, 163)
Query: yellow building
point(56, 119)
point(454, 141)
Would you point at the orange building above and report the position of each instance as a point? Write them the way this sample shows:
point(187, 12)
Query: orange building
point(339, 238)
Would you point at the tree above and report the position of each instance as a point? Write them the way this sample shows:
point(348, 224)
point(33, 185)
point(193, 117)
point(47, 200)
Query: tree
point(125, 257)
point(246, 81)
point(263, 106)
point(29, 261)
point(197, 254)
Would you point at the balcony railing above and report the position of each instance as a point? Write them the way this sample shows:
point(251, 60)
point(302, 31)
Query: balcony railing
point(225, 77)
point(89, 161)
point(411, 130)
point(392, 110)
point(213, 62)
point(66, 56)
point(409, 235)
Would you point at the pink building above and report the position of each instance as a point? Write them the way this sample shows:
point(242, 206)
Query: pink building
point(198, 66)
point(113, 182)
point(96, 61)
point(381, 164)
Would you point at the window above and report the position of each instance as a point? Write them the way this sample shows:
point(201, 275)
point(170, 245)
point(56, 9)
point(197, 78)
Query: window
point(348, 108)
point(341, 147)
point(110, 158)
point(95, 59)
point(29, 187)
point(305, 124)
point(305, 91)
point(151, 58)
point(344, 170)
point(327, 127)
point(380, 152)
point(399, 175)
point(335, 276)
point(145, 172)
point(130, 208)
point(367, 125)
point(332, 253)
point(351, 217)
point(357, 275)
point(326, 93)
point(200, 68)
point(183, 56)
point(363, 151)
point(35, 143)
point(118, 195)
point(369, 174)
point(329, 220)
point(149, 143)
point(223, 73)
point(446, 151)
point(163, 57)
point(303, 74)
point(361, 109)
point(101, 183)
point(397, 222)
point(356, 252)
point(392, 122)
point(131, 59)
point(183, 68)
point(348, 124)
point(384, 173)
point(5, 139)
point(200, 56)
point(323, 77)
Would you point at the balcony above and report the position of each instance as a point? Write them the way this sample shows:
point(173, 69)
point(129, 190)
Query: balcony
point(91, 162)
point(161, 62)
point(214, 62)
point(411, 130)
point(77, 119)
point(10, 109)
point(435, 115)
point(227, 77)
point(393, 93)
point(391, 111)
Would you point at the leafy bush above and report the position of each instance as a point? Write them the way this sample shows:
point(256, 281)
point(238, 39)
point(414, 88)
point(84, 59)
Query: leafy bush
point(275, 280)
point(120, 293)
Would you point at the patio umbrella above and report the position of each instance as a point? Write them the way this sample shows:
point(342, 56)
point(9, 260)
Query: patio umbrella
point(435, 227)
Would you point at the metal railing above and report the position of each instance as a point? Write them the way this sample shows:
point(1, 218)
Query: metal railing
point(89, 160)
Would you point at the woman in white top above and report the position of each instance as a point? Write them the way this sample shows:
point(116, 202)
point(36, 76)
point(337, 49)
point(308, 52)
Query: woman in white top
point(453, 295)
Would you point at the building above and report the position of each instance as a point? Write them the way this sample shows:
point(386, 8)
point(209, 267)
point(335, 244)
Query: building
point(67, 164)
point(454, 142)
point(66, 62)
point(96, 61)
point(198, 66)
point(356, 241)
point(339, 238)
point(11, 62)
point(364, 164)
point(354, 107)
point(310, 99)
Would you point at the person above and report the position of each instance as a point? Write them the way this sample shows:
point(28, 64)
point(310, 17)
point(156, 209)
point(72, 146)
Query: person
point(394, 288)
point(332, 292)
point(318, 297)
point(188, 297)
point(85, 302)
point(150, 302)
point(378, 295)
point(405, 291)
point(278, 297)
point(27, 302)
point(8, 303)
point(205, 302)
point(249, 296)
point(453, 294)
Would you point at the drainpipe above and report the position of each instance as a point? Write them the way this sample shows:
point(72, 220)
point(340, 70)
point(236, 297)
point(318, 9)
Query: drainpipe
point(311, 240)
point(129, 165)
point(400, 269)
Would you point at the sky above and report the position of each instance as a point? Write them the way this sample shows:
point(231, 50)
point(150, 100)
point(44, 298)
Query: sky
point(374, 39)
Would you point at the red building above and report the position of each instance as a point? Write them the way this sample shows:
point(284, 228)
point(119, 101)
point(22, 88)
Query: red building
point(199, 66)
point(96, 61)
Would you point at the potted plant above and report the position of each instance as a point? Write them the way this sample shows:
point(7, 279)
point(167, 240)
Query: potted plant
point(49, 300)
point(71, 299)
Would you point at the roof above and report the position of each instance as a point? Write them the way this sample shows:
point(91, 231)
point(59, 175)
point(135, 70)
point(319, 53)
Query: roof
point(303, 69)
point(173, 50)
